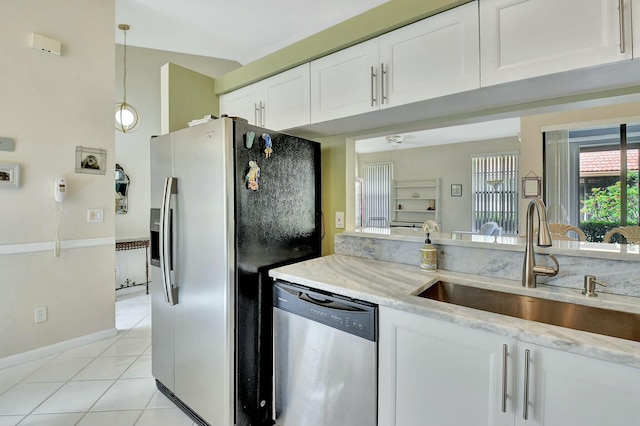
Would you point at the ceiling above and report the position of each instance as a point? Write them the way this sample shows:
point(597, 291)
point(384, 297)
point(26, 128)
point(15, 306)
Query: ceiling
point(509, 127)
point(240, 30)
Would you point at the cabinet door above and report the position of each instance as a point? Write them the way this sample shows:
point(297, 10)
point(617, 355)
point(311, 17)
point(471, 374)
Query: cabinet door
point(569, 389)
point(434, 57)
point(436, 373)
point(244, 103)
point(286, 102)
point(345, 83)
point(527, 38)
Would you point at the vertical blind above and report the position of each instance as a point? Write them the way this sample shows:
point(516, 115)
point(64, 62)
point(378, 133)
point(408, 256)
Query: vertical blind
point(495, 191)
point(376, 188)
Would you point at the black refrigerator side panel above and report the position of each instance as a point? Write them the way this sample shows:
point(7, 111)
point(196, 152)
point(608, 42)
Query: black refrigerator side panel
point(281, 220)
point(277, 223)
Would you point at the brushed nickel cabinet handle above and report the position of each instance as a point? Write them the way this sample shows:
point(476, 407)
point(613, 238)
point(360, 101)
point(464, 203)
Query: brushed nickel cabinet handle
point(621, 19)
point(525, 409)
point(263, 113)
point(505, 354)
point(383, 77)
point(373, 78)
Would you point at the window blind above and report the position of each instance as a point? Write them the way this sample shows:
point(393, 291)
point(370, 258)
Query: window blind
point(376, 188)
point(495, 191)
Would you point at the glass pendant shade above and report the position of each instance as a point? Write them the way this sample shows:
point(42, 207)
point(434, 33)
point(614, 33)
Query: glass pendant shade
point(126, 117)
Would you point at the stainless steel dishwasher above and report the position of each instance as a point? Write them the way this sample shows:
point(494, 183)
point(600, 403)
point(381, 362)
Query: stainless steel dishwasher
point(325, 358)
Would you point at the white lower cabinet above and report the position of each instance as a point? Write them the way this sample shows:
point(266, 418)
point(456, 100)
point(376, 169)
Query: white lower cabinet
point(435, 373)
point(569, 389)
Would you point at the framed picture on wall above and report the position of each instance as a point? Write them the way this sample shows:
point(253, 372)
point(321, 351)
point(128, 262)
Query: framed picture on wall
point(9, 176)
point(531, 186)
point(91, 160)
point(456, 190)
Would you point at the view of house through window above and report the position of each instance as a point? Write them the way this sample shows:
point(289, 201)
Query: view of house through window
point(494, 186)
point(591, 177)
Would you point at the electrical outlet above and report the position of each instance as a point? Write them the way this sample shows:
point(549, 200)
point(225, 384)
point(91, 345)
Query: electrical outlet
point(117, 270)
point(339, 219)
point(41, 314)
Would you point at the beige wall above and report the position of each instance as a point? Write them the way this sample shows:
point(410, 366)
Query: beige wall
point(450, 163)
point(49, 105)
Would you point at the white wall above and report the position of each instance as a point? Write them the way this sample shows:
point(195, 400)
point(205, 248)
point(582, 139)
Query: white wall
point(49, 105)
point(132, 149)
point(450, 163)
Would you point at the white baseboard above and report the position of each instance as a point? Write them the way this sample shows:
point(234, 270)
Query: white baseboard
point(55, 348)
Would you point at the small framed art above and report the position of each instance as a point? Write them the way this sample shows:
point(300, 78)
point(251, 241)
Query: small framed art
point(91, 160)
point(9, 176)
point(456, 190)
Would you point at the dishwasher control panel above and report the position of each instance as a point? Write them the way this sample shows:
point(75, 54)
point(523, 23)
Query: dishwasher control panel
point(349, 315)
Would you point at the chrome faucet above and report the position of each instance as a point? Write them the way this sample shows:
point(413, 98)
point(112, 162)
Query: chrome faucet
point(529, 268)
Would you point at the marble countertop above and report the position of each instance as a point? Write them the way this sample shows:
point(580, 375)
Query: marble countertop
point(395, 285)
point(613, 251)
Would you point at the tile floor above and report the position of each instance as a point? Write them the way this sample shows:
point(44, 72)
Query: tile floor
point(107, 382)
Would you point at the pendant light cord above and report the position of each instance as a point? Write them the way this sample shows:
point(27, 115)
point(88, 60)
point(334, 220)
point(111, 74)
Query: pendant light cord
point(124, 66)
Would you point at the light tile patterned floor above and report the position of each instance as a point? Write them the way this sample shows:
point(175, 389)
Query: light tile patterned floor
point(105, 383)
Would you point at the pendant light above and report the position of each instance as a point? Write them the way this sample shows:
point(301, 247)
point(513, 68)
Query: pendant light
point(127, 118)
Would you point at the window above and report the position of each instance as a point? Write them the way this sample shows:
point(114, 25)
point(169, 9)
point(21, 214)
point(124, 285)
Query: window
point(494, 186)
point(584, 172)
point(376, 194)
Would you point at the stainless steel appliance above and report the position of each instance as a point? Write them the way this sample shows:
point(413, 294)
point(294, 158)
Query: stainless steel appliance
point(217, 226)
point(325, 354)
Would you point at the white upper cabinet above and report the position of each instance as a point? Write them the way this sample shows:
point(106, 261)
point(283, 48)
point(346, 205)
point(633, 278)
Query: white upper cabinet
point(278, 102)
point(520, 39)
point(345, 83)
point(242, 103)
point(286, 99)
point(431, 58)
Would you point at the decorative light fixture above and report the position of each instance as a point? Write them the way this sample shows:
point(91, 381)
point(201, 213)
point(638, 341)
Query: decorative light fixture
point(495, 183)
point(394, 140)
point(127, 118)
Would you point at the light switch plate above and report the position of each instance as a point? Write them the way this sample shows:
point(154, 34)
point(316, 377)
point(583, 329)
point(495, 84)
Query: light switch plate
point(339, 219)
point(95, 215)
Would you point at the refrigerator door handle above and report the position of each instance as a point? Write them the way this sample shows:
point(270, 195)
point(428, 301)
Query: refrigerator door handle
point(166, 255)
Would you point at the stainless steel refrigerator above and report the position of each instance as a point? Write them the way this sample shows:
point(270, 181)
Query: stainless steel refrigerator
point(229, 202)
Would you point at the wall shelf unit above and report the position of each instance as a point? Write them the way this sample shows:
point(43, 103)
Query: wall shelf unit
point(415, 201)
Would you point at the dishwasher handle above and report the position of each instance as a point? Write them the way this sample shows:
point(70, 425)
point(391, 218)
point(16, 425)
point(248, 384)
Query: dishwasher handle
point(349, 315)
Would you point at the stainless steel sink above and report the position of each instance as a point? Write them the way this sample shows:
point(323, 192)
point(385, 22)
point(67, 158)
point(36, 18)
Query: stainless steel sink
point(578, 317)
